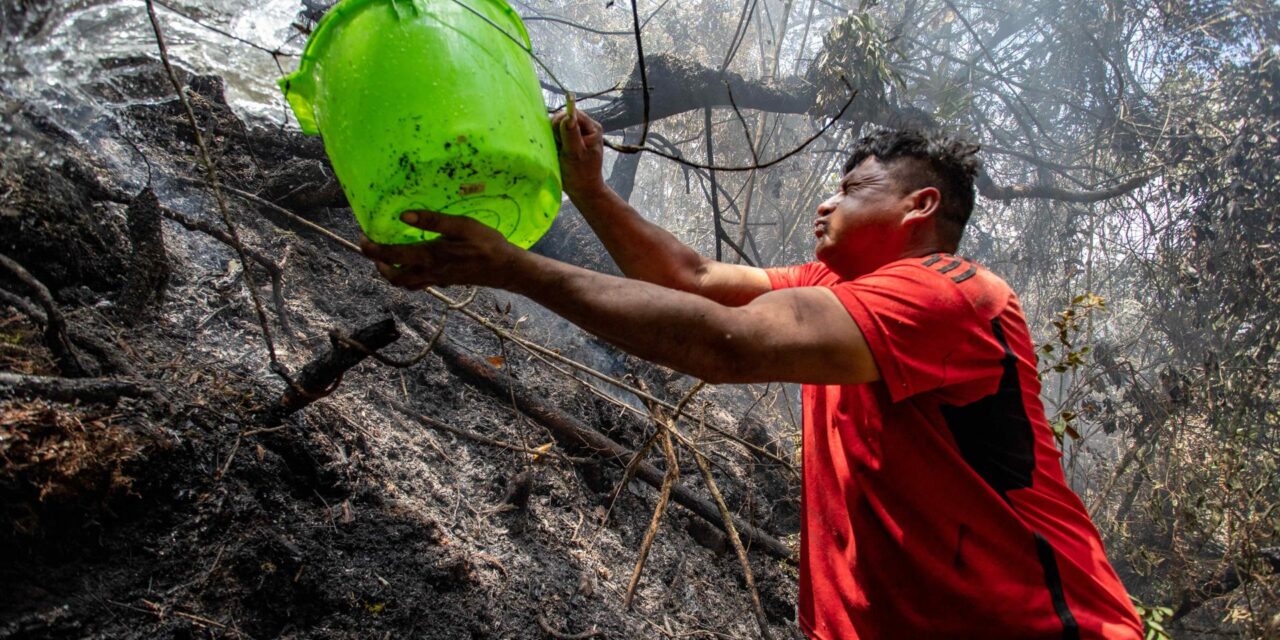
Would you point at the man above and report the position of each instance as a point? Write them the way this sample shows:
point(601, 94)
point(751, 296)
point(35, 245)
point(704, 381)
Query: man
point(934, 502)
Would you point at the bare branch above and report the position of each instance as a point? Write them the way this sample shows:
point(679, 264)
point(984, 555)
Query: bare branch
point(574, 434)
point(677, 86)
point(660, 509)
point(751, 167)
point(992, 191)
point(729, 529)
point(273, 270)
point(442, 426)
point(644, 75)
point(575, 25)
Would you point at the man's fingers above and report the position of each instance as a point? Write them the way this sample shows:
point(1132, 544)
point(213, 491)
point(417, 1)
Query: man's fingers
point(405, 277)
point(589, 125)
point(557, 124)
point(387, 270)
point(571, 133)
point(409, 255)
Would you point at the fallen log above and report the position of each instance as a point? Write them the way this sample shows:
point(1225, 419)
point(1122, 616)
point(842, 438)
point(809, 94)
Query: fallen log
point(103, 390)
point(573, 434)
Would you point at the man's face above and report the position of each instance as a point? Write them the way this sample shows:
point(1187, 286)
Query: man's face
point(861, 227)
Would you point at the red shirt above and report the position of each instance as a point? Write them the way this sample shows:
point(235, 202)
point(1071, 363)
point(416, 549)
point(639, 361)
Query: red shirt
point(934, 500)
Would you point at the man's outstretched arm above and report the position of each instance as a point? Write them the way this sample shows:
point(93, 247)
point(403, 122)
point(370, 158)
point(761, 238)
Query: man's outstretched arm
point(641, 249)
point(794, 335)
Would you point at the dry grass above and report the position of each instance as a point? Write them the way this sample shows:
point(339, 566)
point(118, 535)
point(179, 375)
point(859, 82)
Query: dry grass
point(57, 454)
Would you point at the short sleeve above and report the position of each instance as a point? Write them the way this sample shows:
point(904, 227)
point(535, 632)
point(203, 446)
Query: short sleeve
point(813, 274)
point(923, 332)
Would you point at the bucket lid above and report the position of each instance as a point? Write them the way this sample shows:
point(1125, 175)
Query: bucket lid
point(299, 87)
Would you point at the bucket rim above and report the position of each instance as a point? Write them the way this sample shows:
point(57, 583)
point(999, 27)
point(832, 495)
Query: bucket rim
point(293, 84)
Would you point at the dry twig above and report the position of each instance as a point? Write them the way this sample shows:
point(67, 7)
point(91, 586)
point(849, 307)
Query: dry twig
point(664, 495)
point(576, 435)
point(322, 375)
point(661, 426)
point(727, 517)
point(402, 363)
point(106, 353)
point(437, 424)
point(215, 184)
point(274, 271)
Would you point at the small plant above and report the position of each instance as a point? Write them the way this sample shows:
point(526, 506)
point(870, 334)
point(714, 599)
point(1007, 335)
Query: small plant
point(1062, 426)
point(1153, 619)
point(1067, 324)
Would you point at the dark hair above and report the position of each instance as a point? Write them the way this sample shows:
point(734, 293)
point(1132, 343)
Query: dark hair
point(917, 160)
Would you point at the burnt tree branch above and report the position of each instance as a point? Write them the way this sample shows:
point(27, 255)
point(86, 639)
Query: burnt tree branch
point(108, 355)
point(101, 390)
point(992, 191)
point(677, 86)
point(323, 374)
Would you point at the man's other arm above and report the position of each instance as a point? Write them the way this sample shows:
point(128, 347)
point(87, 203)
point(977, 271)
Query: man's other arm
point(642, 250)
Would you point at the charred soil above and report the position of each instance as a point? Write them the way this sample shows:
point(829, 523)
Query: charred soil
point(181, 511)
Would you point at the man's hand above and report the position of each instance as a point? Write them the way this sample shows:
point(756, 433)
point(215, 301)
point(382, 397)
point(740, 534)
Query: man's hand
point(580, 141)
point(467, 252)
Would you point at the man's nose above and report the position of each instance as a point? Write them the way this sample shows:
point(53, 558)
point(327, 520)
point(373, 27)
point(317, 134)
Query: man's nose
point(827, 206)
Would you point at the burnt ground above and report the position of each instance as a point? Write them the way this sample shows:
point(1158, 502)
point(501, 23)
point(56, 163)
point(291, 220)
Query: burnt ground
point(178, 516)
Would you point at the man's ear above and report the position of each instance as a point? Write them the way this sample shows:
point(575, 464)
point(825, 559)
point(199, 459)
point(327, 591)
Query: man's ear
point(925, 204)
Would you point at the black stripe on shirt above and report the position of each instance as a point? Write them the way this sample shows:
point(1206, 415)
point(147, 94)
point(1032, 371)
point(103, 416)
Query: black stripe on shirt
point(951, 267)
point(966, 275)
point(1053, 580)
point(933, 259)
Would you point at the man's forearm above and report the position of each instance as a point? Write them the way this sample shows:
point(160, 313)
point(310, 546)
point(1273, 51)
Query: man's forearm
point(642, 250)
point(680, 330)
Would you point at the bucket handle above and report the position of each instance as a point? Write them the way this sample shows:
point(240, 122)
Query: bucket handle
point(300, 91)
point(405, 9)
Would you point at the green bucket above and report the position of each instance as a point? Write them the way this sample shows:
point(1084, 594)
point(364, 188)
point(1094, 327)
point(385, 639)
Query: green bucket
point(424, 104)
